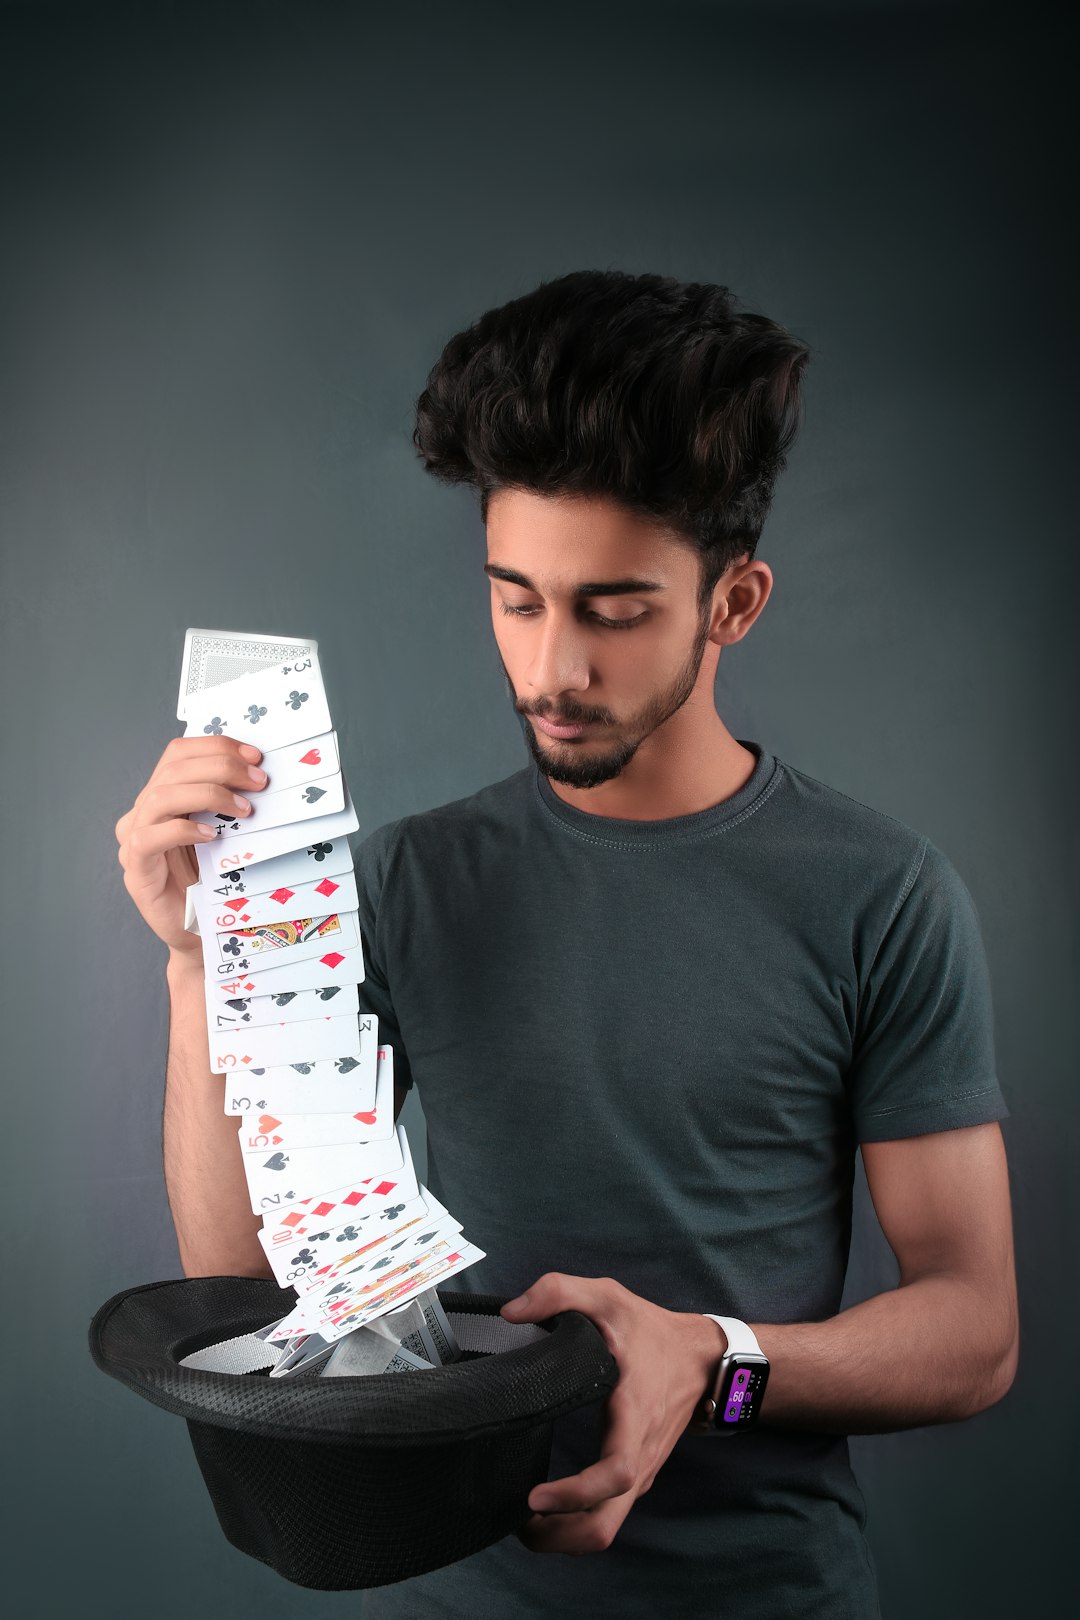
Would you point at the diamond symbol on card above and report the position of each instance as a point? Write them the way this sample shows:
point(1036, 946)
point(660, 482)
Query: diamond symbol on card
point(282, 895)
point(234, 902)
point(245, 1060)
point(332, 959)
point(327, 887)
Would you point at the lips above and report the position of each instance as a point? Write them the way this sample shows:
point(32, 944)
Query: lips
point(559, 728)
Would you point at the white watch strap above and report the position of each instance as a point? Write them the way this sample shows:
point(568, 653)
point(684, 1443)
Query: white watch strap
point(741, 1341)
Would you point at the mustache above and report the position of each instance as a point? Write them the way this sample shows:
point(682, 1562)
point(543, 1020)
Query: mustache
point(562, 717)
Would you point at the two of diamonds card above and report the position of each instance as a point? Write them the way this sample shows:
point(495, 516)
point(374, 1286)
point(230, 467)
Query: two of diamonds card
point(311, 1087)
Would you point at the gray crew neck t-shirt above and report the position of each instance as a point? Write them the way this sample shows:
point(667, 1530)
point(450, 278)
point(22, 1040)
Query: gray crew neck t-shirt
point(649, 1050)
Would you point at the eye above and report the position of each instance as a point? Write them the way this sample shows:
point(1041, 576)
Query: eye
point(611, 624)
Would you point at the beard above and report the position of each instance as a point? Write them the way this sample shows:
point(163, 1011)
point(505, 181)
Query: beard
point(569, 763)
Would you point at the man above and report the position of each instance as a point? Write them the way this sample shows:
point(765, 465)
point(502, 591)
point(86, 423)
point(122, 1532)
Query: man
point(654, 991)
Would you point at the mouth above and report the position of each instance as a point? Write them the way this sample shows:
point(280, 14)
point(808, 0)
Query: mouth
point(562, 732)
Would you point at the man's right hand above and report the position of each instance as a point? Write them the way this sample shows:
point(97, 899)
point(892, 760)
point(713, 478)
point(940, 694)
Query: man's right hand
point(156, 839)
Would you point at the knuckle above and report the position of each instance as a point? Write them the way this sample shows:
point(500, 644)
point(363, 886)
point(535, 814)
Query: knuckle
point(624, 1475)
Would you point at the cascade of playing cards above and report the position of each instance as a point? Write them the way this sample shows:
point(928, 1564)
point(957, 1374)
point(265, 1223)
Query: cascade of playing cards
point(346, 1225)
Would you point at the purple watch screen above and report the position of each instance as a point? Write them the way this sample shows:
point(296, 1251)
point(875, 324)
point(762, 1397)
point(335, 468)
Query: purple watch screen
point(744, 1392)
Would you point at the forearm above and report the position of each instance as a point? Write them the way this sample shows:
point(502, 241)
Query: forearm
point(931, 1351)
point(204, 1174)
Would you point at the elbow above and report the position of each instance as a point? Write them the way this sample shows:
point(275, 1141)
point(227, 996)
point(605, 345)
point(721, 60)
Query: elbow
point(995, 1383)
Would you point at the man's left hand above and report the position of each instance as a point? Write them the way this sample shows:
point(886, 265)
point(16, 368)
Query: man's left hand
point(665, 1362)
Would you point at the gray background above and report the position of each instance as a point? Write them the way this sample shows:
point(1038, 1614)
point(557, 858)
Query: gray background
point(236, 238)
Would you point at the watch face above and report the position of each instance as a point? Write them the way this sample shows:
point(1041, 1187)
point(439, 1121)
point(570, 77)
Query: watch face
point(741, 1400)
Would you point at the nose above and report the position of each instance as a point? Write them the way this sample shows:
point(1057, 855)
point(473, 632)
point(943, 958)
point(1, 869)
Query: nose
point(559, 662)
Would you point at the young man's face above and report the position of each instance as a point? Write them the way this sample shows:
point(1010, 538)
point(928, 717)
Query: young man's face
point(599, 629)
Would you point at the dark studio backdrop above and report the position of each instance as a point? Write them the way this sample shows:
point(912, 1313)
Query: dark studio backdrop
point(235, 239)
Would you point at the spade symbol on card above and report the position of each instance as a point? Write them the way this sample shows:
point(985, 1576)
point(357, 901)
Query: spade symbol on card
point(301, 1068)
point(276, 1161)
point(313, 794)
point(328, 991)
point(284, 998)
point(312, 757)
point(346, 1065)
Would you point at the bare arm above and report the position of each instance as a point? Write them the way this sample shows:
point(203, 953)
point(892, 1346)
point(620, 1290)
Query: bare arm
point(943, 1344)
point(204, 1172)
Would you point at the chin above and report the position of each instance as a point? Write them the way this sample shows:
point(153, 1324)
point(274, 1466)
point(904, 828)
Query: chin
point(572, 768)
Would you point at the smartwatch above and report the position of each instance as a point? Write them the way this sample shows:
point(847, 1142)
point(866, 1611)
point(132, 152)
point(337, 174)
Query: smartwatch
point(733, 1404)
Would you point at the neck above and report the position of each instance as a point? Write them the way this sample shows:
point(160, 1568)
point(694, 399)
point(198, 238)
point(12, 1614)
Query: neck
point(678, 770)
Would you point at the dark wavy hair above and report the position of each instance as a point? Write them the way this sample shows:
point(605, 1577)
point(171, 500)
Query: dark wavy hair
point(654, 392)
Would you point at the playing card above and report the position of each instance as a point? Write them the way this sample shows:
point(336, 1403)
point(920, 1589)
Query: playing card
point(212, 657)
point(354, 1301)
point(281, 704)
point(216, 857)
point(277, 1045)
point(442, 1333)
point(280, 1179)
point(328, 1256)
point(350, 1204)
point(323, 1086)
point(337, 967)
point(312, 1262)
point(288, 1007)
point(258, 1133)
point(338, 1087)
point(363, 1353)
point(290, 869)
point(301, 802)
point(407, 1326)
point(297, 763)
point(300, 939)
point(312, 899)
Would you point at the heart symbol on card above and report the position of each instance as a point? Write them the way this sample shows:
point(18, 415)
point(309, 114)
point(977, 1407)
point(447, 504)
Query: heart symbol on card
point(367, 1118)
point(267, 1122)
point(312, 757)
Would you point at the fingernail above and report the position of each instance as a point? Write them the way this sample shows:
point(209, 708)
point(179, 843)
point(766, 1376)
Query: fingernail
point(240, 802)
point(517, 1304)
point(255, 774)
point(249, 751)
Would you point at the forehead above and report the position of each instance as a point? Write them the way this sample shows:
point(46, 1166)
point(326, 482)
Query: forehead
point(560, 540)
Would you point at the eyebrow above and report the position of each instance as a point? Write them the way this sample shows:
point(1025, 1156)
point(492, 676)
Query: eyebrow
point(609, 587)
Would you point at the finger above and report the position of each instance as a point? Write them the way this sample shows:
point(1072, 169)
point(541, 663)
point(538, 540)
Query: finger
point(600, 1482)
point(154, 838)
point(223, 767)
point(575, 1532)
point(193, 747)
point(164, 800)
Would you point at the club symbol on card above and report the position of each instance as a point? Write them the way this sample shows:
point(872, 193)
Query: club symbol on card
point(312, 795)
point(283, 896)
point(276, 1161)
point(236, 877)
point(349, 1234)
point(319, 852)
point(231, 947)
point(304, 1258)
point(346, 1065)
point(318, 1237)
point(216, 728)
point(294, 700)
point(391, 1212)
point(327, 887)
point(312, 757)
point(254, 714)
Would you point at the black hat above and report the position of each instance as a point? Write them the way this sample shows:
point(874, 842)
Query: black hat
point(340, 1483)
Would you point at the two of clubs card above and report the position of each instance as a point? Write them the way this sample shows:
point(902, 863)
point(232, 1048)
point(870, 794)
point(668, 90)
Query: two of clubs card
point(346, 1225)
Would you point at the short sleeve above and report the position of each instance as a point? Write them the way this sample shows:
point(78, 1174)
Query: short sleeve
point(923, 1057)
point(370, 862)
